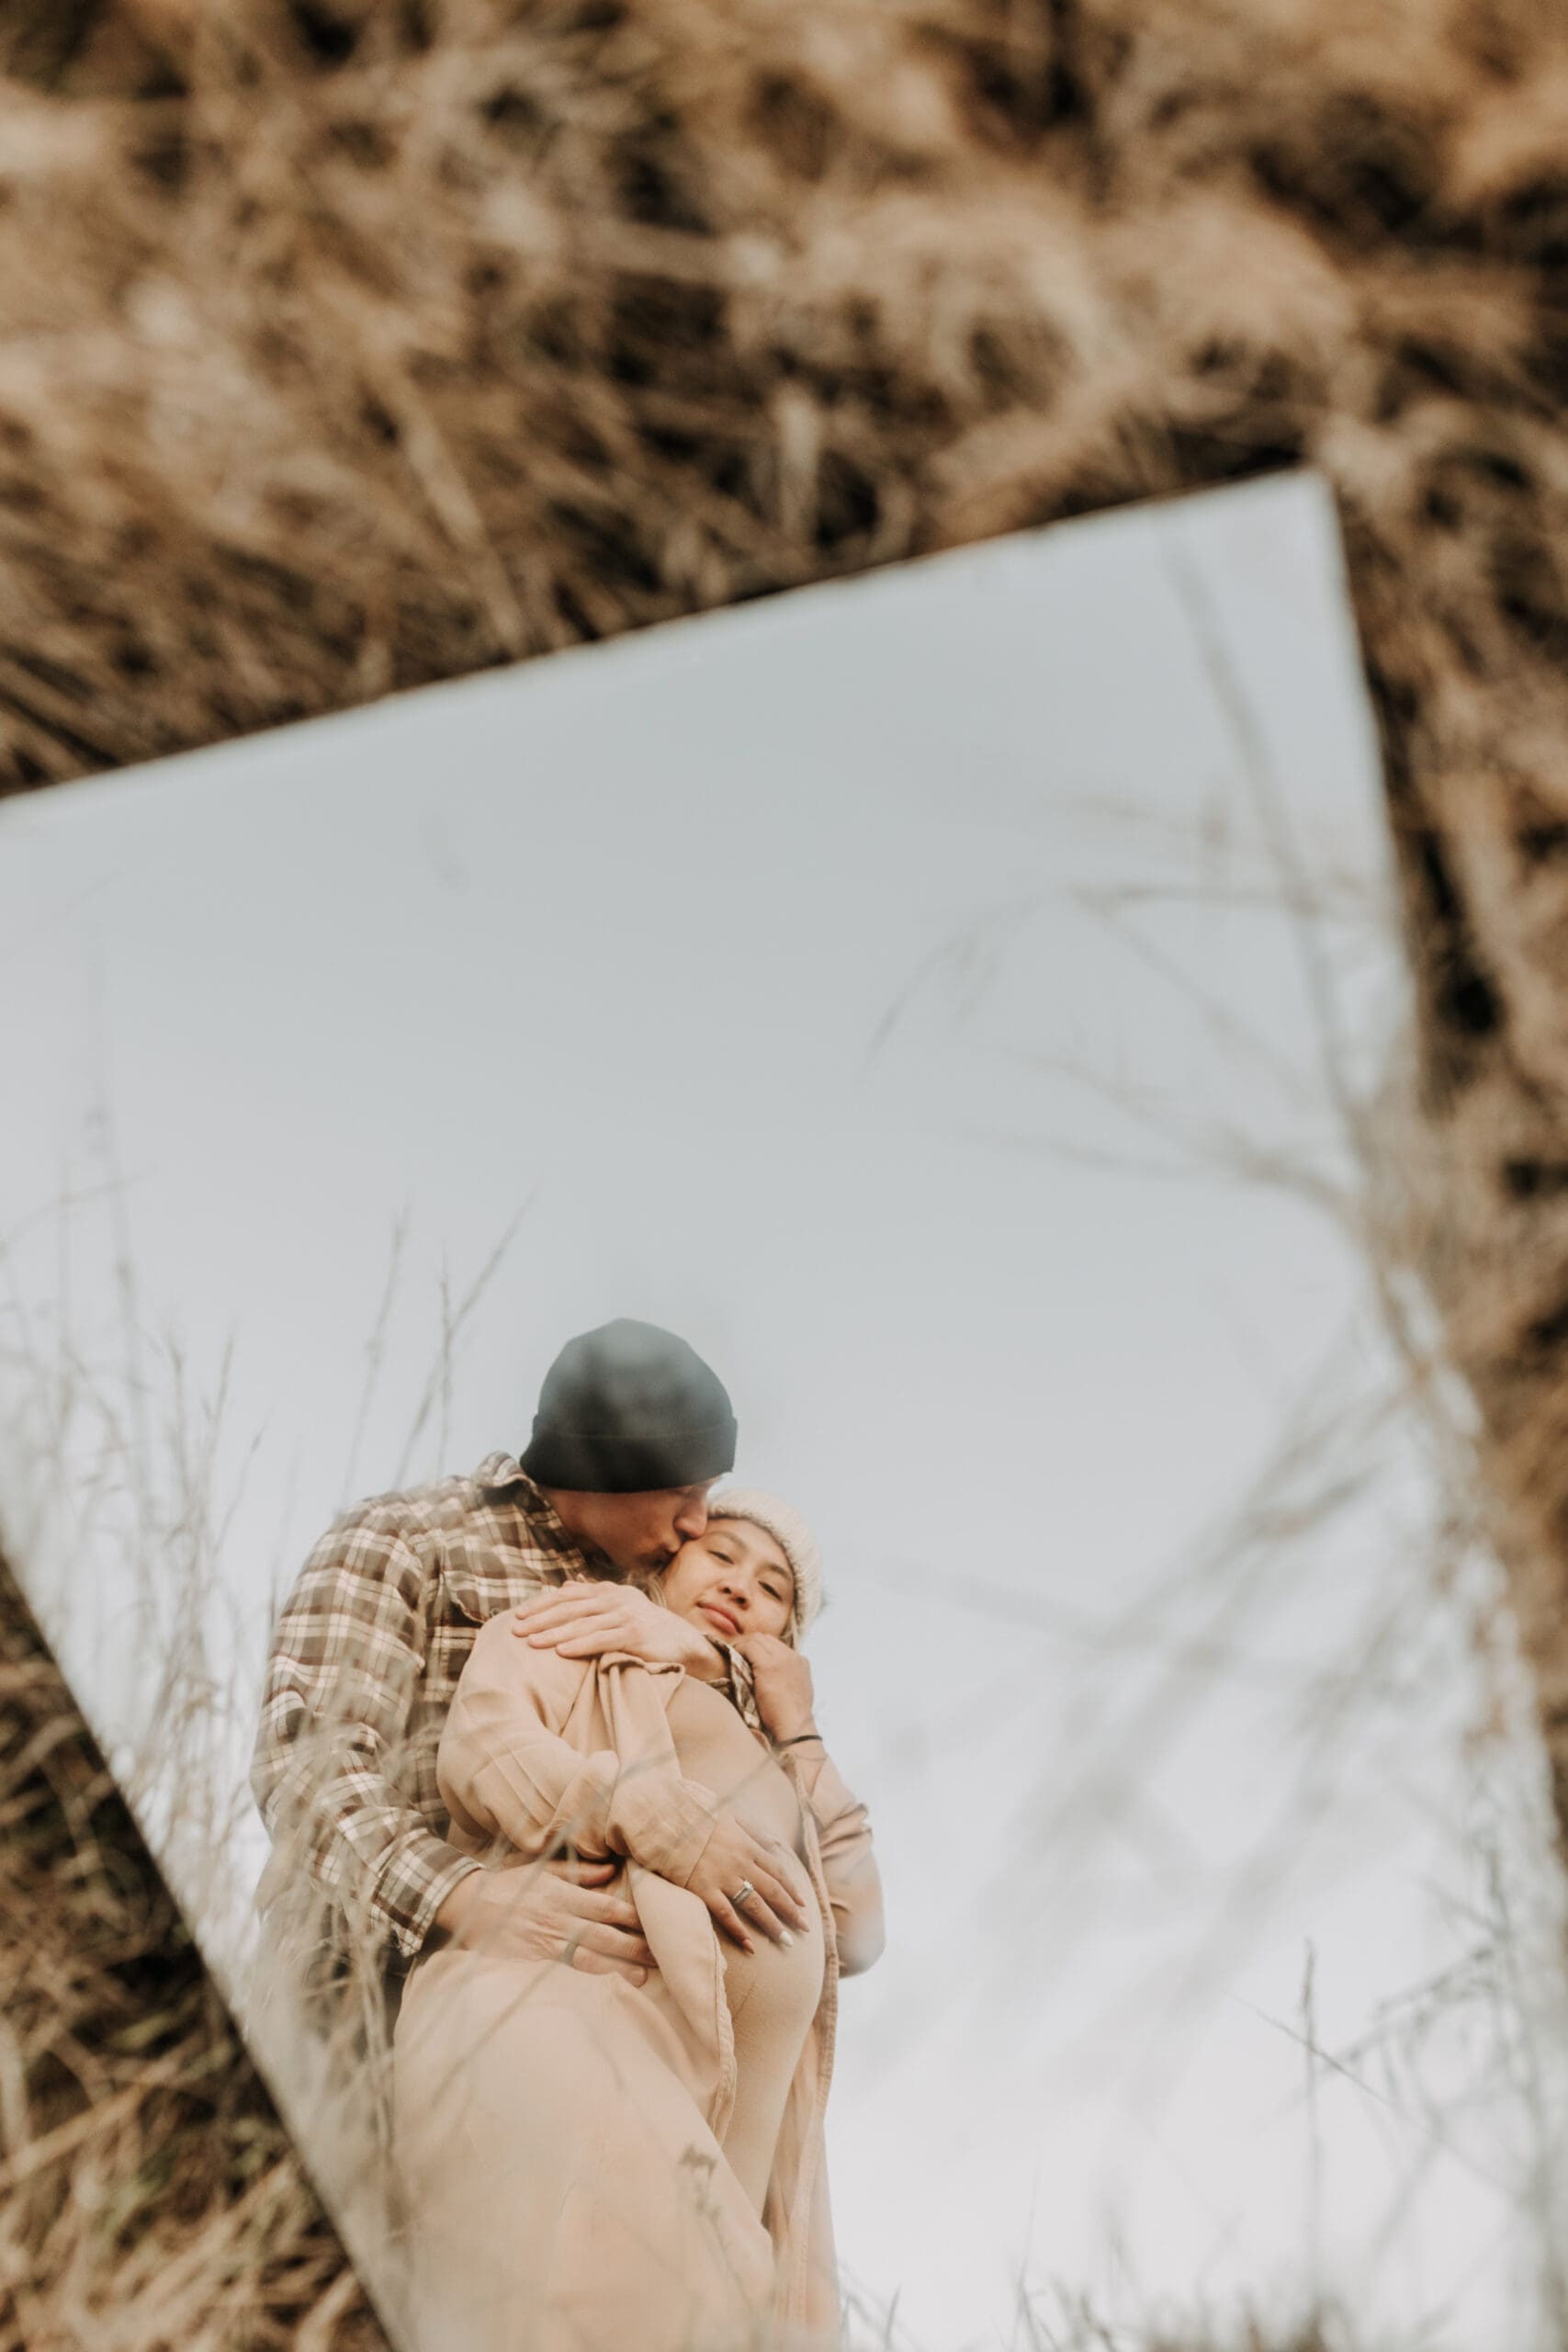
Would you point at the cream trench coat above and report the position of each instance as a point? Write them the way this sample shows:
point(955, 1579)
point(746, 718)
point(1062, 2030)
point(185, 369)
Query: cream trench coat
point(560, 2132)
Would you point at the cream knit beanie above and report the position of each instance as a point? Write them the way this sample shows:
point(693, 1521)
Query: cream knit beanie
point(789, 1532)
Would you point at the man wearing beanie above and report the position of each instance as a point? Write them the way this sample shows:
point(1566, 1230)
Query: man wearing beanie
point(631, 1430)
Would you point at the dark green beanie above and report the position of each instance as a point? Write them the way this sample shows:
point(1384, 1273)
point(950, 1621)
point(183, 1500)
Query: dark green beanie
point(629, 1409)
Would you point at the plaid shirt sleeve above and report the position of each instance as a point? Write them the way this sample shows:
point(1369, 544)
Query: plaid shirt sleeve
point(344, 1667)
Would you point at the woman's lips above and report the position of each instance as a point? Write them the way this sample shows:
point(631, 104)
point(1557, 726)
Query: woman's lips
point(721, 1617)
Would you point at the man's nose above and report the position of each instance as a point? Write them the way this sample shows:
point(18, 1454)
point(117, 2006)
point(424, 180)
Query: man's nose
point(692, 1521)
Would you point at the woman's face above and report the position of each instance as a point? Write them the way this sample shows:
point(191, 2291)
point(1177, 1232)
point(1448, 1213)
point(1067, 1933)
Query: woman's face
point(732, 1580)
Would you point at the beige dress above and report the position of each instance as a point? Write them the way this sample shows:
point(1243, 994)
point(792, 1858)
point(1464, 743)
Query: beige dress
point(594, 2166)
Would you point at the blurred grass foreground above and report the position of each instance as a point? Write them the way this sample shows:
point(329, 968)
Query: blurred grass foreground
point(346, 345)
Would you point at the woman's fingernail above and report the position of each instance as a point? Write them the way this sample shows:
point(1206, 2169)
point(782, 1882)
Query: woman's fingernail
point(785, 1937)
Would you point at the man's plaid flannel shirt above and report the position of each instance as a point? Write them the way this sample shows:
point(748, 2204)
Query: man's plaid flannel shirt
point(365, 1660)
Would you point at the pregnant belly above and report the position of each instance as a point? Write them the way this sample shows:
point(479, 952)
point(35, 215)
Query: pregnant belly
point(715, 1747)
point(775, 1989)
point(772, 1994)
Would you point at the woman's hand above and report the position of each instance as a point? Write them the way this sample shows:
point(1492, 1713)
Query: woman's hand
point(587, 1620)
point(782, 1682)
point(734, 1861)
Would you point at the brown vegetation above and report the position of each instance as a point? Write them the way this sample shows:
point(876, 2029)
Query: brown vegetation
point(150, 2199)
point(350, 343)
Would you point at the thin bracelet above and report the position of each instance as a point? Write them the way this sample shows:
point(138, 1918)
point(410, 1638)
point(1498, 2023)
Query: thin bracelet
point(800, 1738)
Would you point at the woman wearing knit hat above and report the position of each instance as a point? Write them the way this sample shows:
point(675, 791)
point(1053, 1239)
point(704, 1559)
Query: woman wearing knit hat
point(590, 2164)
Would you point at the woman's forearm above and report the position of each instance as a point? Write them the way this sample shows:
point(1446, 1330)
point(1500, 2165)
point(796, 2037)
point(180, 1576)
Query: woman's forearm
point(848, 1857)
point(504, 1769)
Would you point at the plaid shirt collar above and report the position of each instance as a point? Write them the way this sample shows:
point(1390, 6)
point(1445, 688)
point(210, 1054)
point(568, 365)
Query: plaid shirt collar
point(497, 1471)
point(502, 1474)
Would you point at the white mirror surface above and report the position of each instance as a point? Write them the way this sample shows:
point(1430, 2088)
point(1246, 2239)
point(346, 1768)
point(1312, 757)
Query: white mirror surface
point(947, 998)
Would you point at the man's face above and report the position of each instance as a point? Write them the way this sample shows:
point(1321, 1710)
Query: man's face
point(640, 1533)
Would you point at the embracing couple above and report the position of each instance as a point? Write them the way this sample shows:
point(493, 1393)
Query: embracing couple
point(542, 1738)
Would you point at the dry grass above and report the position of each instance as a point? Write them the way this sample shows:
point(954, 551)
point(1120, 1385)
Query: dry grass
point(349, 345)
point(150, 2199)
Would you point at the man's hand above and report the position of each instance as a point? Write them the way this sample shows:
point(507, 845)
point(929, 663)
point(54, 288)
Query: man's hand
point(782, 1682)
point(584, 1620)
point(550, 1911)
point(732, 1859)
